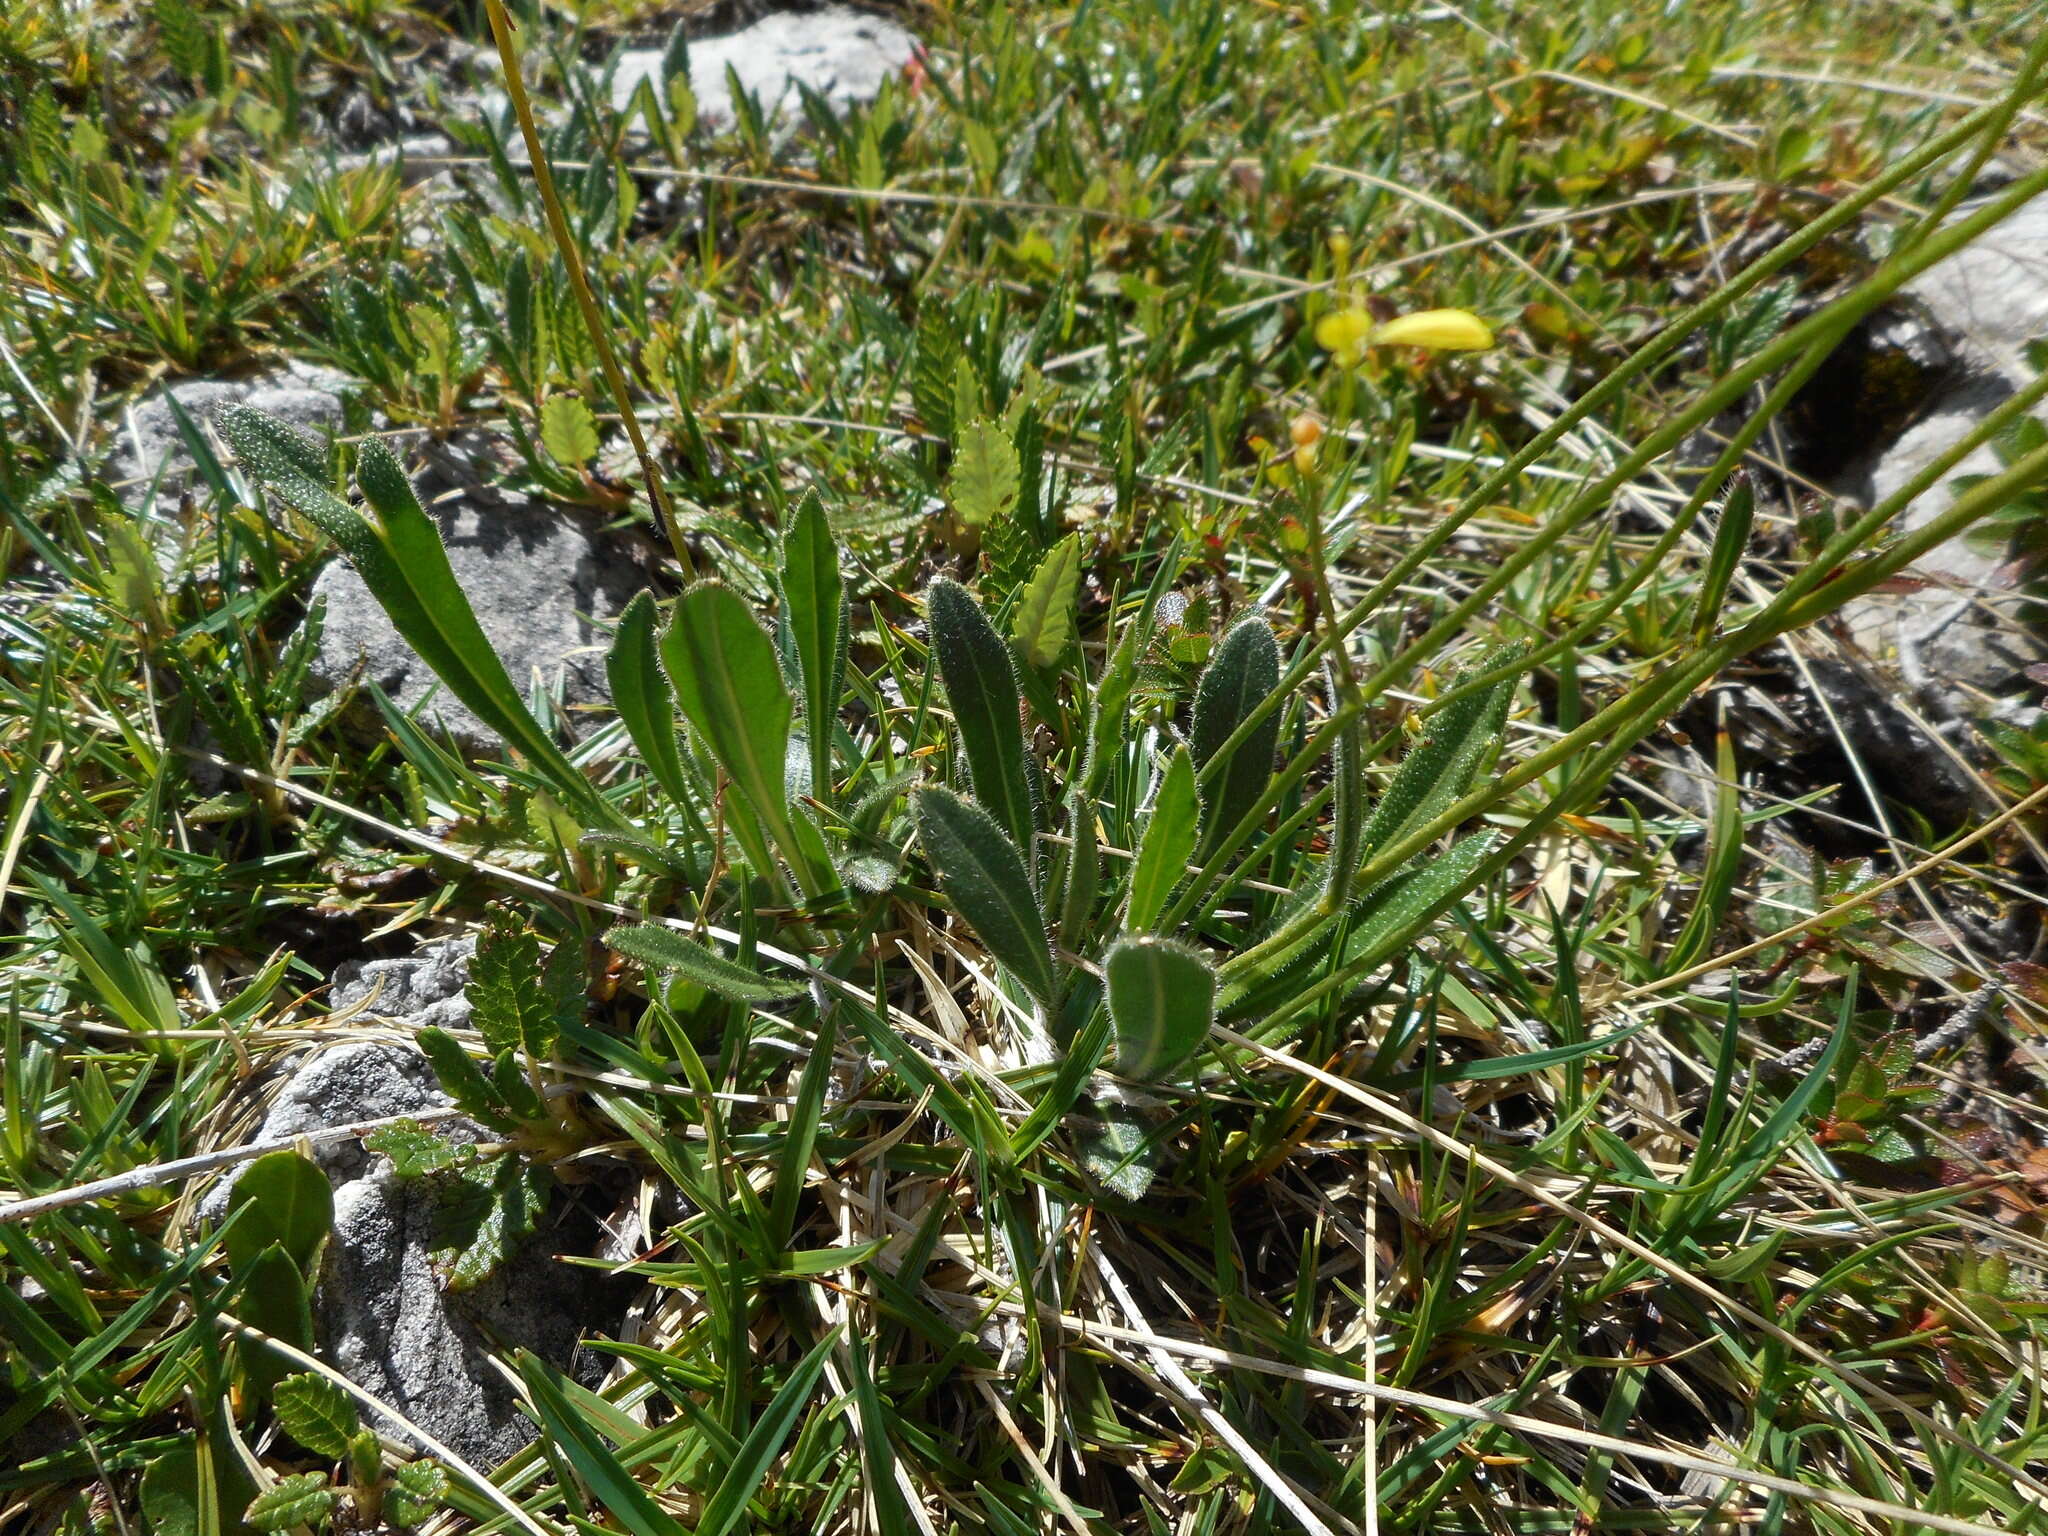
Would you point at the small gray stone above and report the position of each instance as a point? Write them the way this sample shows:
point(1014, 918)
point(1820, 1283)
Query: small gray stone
point(381, 1313)
point(1961, 629)
point(150, 443)
point(541, 582)
point(842, 54)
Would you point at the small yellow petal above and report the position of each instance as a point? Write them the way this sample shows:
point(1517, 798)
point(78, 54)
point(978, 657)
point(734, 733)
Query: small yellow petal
point(1343, 331)
point(1443, 330)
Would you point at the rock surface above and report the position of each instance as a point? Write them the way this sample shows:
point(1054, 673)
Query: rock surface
point(151, 445)
point(842, 54)
point(541, 583)
point(381, 1312)
point(1962, 630)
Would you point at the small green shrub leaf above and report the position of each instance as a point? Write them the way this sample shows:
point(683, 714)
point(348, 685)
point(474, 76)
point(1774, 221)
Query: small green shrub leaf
point(665, 949)
point(568, 431)
point(485, 1211)
point(509, 1006)
point(1243, 676)
point(1162, 1000)
point(302, 1498)
point(1166, 845)
point(983, 873)
point(413, 1149)
point(418, 1488)
point(985, 477)
point(315, 1412)
point(462, 1079)
point(283, 1198)
point(975, 665)
point(1043, 625)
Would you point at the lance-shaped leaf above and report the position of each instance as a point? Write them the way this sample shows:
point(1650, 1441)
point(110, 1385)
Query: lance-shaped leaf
point(983, 873)
point(814, 608)
point(1243, 676)
point(975, 664)
point(1043, 625)
point(404, 564)
point(729, 686)
point(641, 696)
point(1162, 1000)
point(665, 949)
point(1166, 845)
point(1443, 764)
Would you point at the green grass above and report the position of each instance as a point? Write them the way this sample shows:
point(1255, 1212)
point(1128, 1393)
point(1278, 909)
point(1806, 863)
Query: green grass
point(1227, 1028)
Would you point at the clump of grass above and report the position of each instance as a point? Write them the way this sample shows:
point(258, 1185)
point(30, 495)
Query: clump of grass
point(1127, 903)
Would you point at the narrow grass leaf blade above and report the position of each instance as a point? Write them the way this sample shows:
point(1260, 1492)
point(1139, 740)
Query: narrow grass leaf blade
point(975, 665)
point(668, 950)
point(983, 872)
point(1244, 674)
point(1162, 999)
point(609, 1482)
point(749, 1469)
point(1167, 844)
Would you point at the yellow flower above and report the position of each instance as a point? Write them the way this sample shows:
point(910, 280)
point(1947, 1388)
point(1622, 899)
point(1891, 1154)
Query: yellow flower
point(1346, 333)
point(1440, 330)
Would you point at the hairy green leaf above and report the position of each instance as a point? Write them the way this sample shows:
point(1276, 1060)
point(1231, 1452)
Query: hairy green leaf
point(1443, 764)
point(975, 665)
point(665, 949)
point(1243, 676)
point(983, 873)
point(1162, 1000)
point(1166, 845)
point(641, 696)
point(814, 608)
point(1113, 1150)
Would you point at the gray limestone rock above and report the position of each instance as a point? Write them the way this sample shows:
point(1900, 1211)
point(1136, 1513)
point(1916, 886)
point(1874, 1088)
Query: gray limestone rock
point(150, 444)
point(842, 54)
point(1963, 628)
point(542, 583)
point(381, 1311)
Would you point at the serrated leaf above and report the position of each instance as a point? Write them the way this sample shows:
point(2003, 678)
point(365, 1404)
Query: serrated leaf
point(1162, 1001)
point(1166, 845)
point(814, 608)
point(183, 35)
point(974, 663)
point(1113, 1151)
point(983, 872)
point(508, 1005)
point(315, 1412)
point(483, 1213)
point(985, 478)
point(283, 1199)
point(931, 382)
point(302, 1498)
point(568, 431)
point(1043, 625)
point(1243, 676)
point(413, 1149)
point(668, 950)
point(462, 1079)
point(417, 1489)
